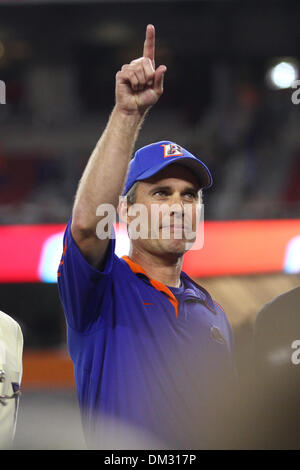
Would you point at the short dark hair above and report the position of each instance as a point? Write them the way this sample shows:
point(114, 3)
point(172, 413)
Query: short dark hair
point(131, 193)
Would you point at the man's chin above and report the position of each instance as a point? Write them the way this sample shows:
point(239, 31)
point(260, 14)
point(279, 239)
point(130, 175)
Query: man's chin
point(178, 247)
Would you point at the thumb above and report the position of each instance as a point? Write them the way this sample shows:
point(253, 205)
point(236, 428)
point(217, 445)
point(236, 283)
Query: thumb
point(159, 79)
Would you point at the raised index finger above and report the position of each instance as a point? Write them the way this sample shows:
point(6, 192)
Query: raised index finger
point(149, 44)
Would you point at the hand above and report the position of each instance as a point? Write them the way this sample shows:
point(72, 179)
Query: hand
point(138, 84)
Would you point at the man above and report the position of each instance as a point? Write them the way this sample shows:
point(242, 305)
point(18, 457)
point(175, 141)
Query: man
point(151, 349)
point(11, 350)
point(267, 411)
point(276, 336)
point(277, 371)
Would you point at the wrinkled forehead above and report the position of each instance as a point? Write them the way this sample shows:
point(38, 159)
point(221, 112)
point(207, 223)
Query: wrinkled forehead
point(175, 173)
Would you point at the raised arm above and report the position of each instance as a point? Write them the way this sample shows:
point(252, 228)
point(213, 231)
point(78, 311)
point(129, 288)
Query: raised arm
point(138, 86)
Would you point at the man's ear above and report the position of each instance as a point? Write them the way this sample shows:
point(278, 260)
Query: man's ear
point(122, 209)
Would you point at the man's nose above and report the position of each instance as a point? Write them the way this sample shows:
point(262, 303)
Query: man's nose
point(176, 203)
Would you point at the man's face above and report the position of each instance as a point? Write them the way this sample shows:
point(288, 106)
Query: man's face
point(170, 203)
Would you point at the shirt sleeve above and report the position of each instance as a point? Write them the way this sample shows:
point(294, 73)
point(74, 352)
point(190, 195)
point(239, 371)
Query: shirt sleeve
point(82, 287)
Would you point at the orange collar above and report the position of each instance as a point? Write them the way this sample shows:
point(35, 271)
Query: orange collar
point(136, 268)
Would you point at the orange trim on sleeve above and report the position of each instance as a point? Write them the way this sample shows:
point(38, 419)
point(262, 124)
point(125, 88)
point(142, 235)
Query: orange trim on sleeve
point(136, 268)
point(219, 306)
point(62, 257)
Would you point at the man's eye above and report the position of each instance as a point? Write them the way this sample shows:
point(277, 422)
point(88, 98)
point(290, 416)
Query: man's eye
point(160, 193)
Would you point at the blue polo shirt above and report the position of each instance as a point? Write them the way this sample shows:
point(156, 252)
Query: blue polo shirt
point(149, 361)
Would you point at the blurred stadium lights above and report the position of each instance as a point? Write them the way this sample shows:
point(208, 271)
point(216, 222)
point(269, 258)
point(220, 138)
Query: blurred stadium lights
point(282, 74)
point(32, 253)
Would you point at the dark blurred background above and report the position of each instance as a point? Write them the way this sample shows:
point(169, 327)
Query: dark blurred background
point(227, 99)
point(59, 61)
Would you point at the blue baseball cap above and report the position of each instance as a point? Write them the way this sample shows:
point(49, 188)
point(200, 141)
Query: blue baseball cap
point(152, 158)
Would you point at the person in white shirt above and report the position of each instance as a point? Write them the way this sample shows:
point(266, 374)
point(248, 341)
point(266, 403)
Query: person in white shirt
point(11, 368)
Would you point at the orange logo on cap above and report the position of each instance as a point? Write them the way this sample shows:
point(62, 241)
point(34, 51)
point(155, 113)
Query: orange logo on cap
point(172, 150)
